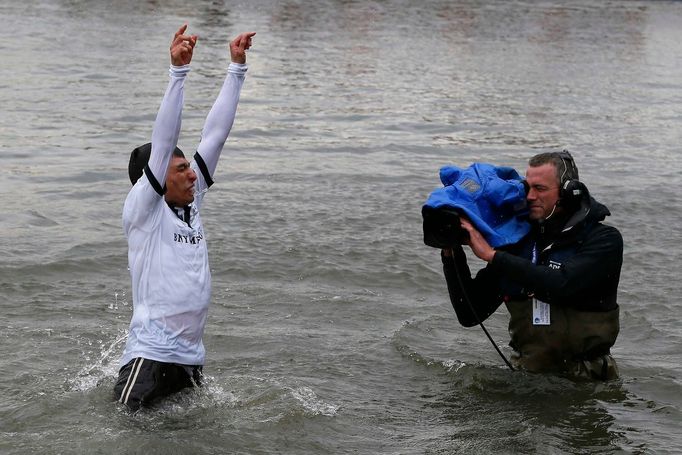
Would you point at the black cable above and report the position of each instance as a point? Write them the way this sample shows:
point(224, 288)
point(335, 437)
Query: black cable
point(478, 320)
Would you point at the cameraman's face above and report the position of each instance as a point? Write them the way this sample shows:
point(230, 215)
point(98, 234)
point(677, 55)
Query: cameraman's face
point(543, 193)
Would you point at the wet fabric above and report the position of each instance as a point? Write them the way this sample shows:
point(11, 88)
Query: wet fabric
point(167, 255)
point(576, 342)
point(141, 382)
point(492, 197)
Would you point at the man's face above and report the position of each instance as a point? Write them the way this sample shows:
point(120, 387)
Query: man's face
point(543, 192)
point(180, 182)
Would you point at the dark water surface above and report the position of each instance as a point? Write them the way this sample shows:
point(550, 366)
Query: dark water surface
point(330, 329)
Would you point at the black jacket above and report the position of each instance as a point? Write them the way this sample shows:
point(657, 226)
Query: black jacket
point(578, 262)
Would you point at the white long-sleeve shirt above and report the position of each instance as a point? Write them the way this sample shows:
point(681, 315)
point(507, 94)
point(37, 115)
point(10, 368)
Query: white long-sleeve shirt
point(168, 257)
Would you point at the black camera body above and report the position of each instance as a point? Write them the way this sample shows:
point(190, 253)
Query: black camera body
point(442, 228)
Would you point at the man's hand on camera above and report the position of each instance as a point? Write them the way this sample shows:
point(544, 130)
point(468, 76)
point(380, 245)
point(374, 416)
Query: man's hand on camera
point(477, 242)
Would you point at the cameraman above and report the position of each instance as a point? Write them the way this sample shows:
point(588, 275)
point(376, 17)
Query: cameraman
point(559, 282)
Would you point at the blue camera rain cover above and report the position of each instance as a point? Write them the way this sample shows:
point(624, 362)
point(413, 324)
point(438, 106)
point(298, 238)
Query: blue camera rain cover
point(492, 197)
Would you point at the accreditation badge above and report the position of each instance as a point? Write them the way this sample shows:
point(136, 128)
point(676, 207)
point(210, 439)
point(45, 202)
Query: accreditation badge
point(540, 312)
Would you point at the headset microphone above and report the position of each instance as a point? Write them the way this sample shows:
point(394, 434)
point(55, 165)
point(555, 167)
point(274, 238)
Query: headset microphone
point(556, 204)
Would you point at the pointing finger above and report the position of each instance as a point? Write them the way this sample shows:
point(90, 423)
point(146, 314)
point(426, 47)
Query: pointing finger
point(181, 30)
point(248, 37)
point(244, 40)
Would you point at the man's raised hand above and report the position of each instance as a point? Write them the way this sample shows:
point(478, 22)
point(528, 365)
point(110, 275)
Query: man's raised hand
point(239, 45)
point(182, 47)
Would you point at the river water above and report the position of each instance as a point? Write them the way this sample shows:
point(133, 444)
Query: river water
point(330, 329)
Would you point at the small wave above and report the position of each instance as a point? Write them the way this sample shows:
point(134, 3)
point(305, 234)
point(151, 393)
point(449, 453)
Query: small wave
point(211, 395)
point(312, 404)
point(433, 341)
point(37, 219)
point(250, 398)
point(272, 400)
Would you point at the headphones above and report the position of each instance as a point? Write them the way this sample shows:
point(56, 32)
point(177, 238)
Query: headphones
point(571, 191)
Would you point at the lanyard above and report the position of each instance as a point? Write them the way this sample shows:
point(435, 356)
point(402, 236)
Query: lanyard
point(541, 311)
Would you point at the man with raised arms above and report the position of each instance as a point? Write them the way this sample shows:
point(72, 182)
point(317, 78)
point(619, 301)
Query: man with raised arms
point(167, 252)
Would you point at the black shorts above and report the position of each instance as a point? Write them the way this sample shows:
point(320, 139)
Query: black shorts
point(142, 381)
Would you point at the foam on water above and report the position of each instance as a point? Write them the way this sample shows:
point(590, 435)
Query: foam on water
point(312, 404)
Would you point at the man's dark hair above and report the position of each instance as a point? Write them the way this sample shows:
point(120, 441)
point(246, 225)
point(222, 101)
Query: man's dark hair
point(139, 159)
point(563, 163)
